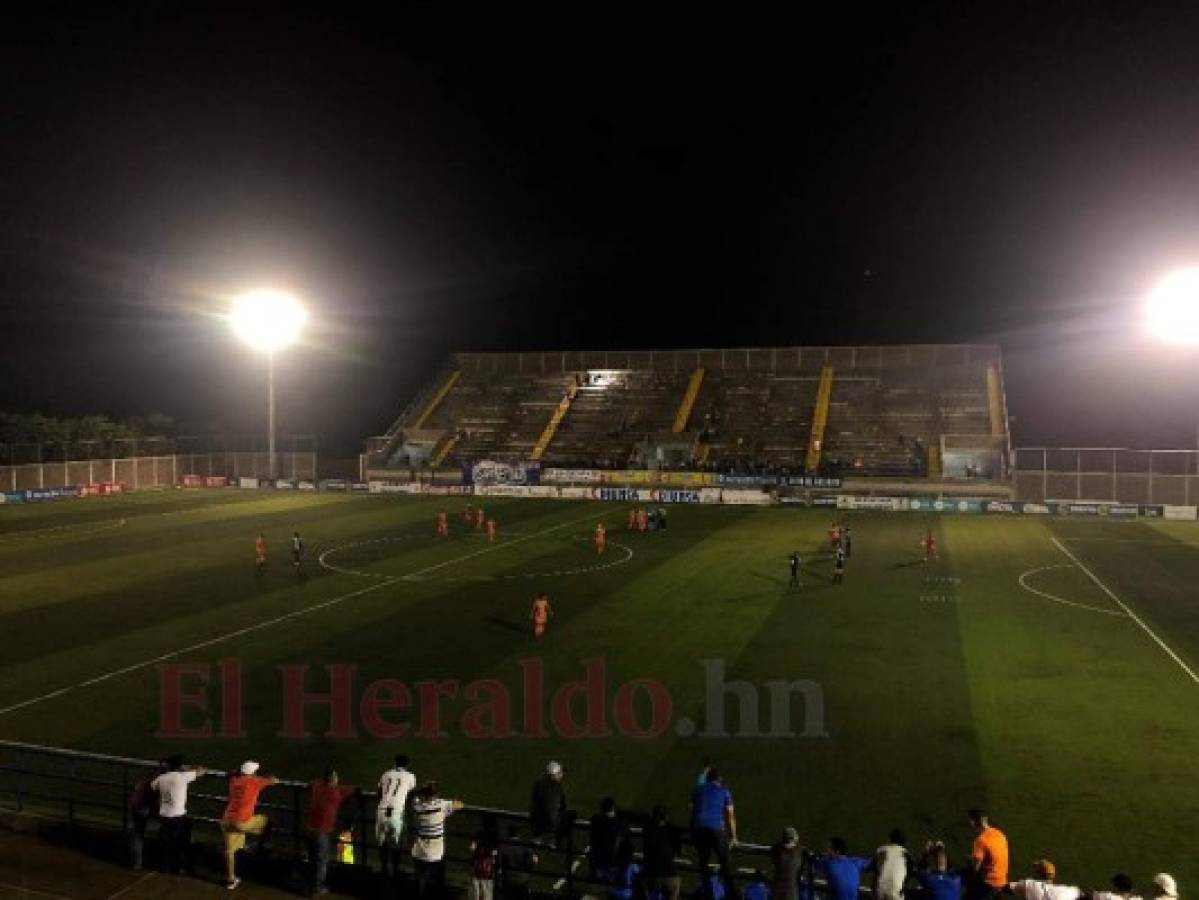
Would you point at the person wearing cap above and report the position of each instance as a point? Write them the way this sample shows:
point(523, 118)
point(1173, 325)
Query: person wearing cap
point(788, 860)
point(1042, 885)
point(325, 795)
point(239, 818)
point(547, 805)
point(1165, 887)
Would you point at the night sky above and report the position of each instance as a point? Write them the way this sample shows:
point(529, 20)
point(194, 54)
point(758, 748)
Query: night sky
point(594, 176)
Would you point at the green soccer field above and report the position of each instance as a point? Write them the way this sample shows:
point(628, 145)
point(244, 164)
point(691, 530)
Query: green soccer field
point(1001, 675)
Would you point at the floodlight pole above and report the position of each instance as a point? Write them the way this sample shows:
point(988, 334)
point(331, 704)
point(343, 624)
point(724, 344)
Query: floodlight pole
point(272, 465)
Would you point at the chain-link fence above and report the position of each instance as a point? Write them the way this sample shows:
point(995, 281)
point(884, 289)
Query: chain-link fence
point(1109, 474)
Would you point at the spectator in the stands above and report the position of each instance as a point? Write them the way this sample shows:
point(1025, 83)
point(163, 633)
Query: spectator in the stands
point(547, 805)
point(935, 877)
point(626, 872)
point(714, 827)
point(517, 862)
point(892, 862)
point(1164, 887)
point(788, 859)
point(758, 887)
point(1042, 885)
point(239, 818)
point(175, 825)
point(1122, 890)
point(484, 862)
point(325, 795)
point(842, 871)
point(429, 813)
point(989, 856)
point(141, 810)
point(661, 846)
point(607, 832)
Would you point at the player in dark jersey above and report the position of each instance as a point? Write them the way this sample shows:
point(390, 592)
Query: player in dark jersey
point(839, 566)
point(795, 562)
point(297, 548)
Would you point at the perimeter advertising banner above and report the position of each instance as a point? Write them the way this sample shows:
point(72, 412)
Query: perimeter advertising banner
point(570, 476)
point(489, 471)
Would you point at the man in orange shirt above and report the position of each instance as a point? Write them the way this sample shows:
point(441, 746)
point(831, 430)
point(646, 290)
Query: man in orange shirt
point(632, 518)
point(443, 524)
point(990, 858)
point(601, 538)
point(239, 818)
point(491, 531)
point(479, 519)
point(642, 520)
point(259, 553)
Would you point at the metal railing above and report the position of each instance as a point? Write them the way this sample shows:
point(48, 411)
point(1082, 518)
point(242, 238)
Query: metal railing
point(91, 789)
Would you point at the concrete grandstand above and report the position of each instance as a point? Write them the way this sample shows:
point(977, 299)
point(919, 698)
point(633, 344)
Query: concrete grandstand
point(910, 412)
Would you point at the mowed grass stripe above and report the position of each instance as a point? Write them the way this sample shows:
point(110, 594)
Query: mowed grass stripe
point(143, 621)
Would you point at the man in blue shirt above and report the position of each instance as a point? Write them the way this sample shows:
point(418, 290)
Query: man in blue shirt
point(843, 872)
point(714, 827)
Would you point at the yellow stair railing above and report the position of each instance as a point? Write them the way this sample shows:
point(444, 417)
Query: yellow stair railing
point(689, 395)
point(551, 426)
point(443, 451)
point(437, 398)
point(824, 394)
point(995, 403)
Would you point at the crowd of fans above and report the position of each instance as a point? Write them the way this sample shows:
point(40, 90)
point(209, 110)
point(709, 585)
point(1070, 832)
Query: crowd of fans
point(618, 864)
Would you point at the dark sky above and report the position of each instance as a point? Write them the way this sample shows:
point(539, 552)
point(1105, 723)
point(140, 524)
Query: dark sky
point(589, 176)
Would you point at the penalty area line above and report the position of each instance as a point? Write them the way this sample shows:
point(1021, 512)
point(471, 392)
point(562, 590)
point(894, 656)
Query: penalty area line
point(1132, 615)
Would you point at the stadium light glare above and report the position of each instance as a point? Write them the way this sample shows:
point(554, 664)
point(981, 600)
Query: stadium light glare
point(1173, 309)
point(267, 320)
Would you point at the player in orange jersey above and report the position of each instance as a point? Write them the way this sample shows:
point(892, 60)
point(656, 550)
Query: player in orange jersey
point(491, 531)
point(601, 538)
point(642, 520)
point(930, 546)
point(632, 518)
point(540, 614)
point(479, 519)
point(259, 553)
point(443, 524)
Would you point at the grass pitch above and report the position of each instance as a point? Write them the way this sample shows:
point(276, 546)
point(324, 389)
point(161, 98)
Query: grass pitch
point(1003, 675)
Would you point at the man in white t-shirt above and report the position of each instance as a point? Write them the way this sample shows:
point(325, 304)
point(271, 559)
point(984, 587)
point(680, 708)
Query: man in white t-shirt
point(1042, 885)
point(1123, 890)
point(892, 862)
point(175, 826)
point(394, 787)
point(429, 813)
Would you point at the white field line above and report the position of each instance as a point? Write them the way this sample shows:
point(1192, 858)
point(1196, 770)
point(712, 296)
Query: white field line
point(1055, 599)
point(268, 623)
point(55, 530)
point(1149, 631)
point(28, 891)
point(127, 888)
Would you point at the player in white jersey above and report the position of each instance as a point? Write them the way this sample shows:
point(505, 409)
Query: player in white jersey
point(394, 787)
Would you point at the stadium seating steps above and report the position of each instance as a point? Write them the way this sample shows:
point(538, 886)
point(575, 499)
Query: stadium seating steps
point(887, 408)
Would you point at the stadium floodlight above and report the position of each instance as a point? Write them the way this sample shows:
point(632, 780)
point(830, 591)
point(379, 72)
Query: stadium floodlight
point(1173, 310)
point(268, 321)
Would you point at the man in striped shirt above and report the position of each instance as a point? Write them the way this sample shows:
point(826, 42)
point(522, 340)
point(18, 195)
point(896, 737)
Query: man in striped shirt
point(429, 813)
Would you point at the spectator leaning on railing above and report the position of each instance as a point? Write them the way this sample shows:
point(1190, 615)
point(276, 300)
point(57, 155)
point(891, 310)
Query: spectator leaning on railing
point(1122, 885)
point(240, 819)
point(842, 871)
point(607, 831)
point(175, 825)
point(141, 810)
point(934, 876)
point(516, 865)
point(429, 813)
point(325, 795)
point(787, 856)
point(395, 785)
point(1164, 887)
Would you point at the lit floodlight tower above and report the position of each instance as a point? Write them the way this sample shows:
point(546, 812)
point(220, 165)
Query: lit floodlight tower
point(268, 321)
point(1173, 310)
